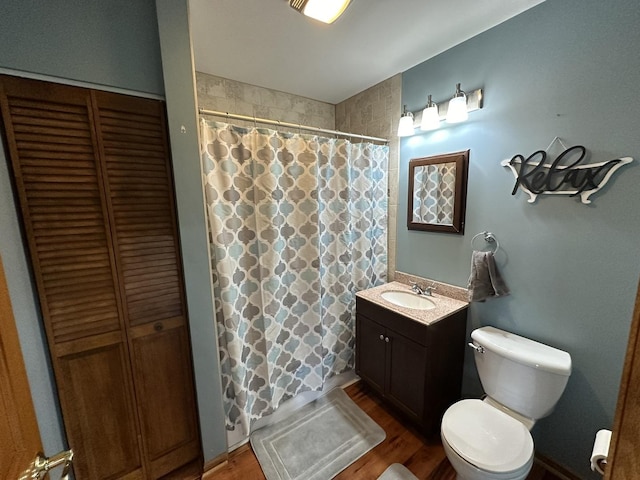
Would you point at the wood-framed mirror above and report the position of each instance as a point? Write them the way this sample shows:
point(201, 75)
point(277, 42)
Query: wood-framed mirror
point(438, 193)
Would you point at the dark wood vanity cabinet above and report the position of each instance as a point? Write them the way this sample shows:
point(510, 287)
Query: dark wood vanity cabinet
point(415, 367)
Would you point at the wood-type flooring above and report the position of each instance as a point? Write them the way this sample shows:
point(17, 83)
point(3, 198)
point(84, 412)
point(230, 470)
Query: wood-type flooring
point(424, 456)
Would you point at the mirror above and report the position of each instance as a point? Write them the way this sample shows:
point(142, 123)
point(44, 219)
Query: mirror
point(438, 193)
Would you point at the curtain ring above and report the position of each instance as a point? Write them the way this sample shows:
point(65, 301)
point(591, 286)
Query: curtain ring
point(254, 122)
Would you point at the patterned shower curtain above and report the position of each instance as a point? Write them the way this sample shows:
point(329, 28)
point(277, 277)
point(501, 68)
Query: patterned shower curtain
point(433, 193)
point(297, 225)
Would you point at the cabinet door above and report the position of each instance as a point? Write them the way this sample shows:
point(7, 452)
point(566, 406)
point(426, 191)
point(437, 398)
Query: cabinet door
point(370, 352)
point(51, 142)
point(406, 374)
point(133, 145)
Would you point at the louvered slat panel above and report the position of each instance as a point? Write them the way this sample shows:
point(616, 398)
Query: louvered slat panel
point(55, 228)
point(129, 245)
point(88, 241)
point(149, 259)
point(141, 198)
point(124, 171)
point(35, 162)
point(153, 292)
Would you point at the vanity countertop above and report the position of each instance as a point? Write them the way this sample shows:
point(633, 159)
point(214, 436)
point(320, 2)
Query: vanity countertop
point(445, 306)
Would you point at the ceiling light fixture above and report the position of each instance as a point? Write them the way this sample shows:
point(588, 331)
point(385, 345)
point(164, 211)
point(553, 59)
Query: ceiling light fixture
point(457, 111)
point(430, 116)
point(405, 127)
point(326, 11)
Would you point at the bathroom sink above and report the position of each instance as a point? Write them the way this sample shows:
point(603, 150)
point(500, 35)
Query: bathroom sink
point(408, 300)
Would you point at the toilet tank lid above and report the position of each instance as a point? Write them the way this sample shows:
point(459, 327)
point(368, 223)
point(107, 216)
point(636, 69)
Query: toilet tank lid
point(523, 350)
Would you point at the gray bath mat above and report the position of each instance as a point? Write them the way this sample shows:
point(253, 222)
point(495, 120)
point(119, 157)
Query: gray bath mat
point(397, 471)
point(317, 441)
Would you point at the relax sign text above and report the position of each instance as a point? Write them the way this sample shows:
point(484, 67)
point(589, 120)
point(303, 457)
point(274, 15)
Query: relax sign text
point(566, 175)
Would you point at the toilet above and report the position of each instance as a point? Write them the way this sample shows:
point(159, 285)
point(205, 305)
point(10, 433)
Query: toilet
point(523, 380)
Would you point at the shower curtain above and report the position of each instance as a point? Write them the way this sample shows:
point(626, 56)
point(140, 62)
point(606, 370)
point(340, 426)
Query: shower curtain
point(297, 225)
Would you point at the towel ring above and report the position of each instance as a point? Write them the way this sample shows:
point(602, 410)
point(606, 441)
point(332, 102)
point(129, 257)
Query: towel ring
point(490, 238)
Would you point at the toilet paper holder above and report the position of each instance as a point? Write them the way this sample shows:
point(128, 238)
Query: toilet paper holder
point(600, 451)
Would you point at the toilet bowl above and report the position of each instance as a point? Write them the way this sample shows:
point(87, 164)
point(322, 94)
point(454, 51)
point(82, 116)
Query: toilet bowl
point(484, 443)
point(490, 439)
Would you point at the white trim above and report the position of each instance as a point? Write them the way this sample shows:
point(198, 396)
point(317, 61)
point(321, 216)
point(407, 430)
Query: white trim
point(78, 83)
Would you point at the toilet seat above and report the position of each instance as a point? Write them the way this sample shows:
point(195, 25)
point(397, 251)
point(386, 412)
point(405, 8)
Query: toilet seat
point(486, 437)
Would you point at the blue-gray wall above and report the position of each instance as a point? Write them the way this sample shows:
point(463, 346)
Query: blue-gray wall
point(567, 68)
point(113, 45)
point(179, 77)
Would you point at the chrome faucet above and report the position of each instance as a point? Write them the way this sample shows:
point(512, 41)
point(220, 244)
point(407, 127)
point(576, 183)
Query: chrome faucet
point(426, 291)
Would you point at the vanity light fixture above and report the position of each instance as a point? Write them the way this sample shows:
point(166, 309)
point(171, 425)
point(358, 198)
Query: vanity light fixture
point(457, 111)
point(430, 117)
point(405, 127)
point(326, 11)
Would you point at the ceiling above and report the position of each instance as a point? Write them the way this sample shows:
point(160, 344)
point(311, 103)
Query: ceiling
point(267, 43)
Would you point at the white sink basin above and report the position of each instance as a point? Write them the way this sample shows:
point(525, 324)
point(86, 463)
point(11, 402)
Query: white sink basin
point(408, 300)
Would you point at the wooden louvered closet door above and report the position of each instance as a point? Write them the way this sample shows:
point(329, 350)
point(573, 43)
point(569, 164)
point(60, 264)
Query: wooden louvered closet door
point(95, 192)
point(137, 175)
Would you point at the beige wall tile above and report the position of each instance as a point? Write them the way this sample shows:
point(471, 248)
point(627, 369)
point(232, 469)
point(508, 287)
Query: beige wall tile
point(243, 107)
point(376, 112)
point(223, 94)
point(393, 187)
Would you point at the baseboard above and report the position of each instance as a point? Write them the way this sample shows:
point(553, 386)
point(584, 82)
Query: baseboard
point(353, 381)
point(555, 468)
point(237, 445)
point(213, 464)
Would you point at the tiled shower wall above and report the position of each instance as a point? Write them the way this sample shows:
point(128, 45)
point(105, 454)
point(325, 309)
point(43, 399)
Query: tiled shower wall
point(374, 112)
point(222, 94)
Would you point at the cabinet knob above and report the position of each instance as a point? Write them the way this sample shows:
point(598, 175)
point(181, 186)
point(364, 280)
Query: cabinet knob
point(381, 337)
point(386, 339)
point(158, 326)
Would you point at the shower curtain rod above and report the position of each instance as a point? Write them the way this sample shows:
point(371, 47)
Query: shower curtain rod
point(237, 116)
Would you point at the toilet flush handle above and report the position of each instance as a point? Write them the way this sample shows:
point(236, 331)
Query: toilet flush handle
point(477, 348)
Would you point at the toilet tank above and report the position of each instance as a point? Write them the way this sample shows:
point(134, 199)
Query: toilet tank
point(523, 375)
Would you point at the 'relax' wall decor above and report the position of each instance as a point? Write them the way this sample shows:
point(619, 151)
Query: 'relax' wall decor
point(566, 175)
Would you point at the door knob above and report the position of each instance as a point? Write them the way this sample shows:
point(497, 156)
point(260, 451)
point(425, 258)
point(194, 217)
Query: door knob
point(41, 465)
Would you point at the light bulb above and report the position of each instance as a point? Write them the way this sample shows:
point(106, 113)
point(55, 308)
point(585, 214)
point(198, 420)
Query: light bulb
point(405, 127)
point(430, 116)
point(457, 110)
point(326, 11)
